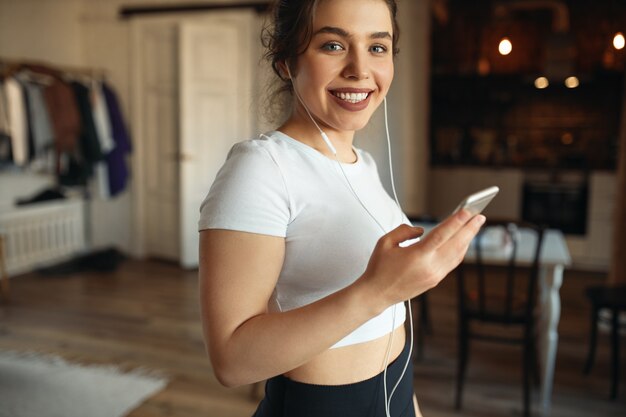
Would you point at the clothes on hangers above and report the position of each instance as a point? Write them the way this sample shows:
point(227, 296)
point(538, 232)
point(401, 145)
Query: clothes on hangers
point(6, 154)
point(17, 121)
point(107, 144)
point(101, 118)
point(89, 142)
point(76, 115)
point(63, 110)
point(116, 159)
point(38, 118)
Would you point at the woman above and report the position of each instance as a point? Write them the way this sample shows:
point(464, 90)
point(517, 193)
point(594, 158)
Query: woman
point(302, 276)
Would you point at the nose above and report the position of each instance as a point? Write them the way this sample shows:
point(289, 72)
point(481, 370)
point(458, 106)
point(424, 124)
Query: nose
point(356, 66)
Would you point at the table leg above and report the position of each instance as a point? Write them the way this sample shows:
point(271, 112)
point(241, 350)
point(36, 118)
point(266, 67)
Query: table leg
point(551, 278)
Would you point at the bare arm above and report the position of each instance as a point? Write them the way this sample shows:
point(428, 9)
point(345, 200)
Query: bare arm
point(238, 273)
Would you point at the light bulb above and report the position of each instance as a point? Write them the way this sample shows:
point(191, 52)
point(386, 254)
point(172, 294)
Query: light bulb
point(541, 83)
point(572, 82)
point(619, 41)
point(505, 47)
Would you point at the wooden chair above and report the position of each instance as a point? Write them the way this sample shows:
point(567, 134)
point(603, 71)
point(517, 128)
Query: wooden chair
point(613, 299)
point(501, 296)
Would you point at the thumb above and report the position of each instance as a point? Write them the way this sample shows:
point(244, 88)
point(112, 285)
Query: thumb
point(403, 233)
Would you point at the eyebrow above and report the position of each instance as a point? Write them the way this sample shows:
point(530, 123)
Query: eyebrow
point(344, 34)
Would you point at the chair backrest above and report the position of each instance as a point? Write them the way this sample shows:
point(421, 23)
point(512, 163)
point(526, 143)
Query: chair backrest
point(504, 294)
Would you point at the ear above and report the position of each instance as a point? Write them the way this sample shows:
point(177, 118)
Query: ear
point(284, 70)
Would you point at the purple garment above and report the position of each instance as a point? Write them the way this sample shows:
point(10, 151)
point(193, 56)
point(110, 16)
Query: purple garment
point(116, 159)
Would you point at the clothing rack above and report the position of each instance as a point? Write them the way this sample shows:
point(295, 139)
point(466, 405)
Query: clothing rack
point(9, 66)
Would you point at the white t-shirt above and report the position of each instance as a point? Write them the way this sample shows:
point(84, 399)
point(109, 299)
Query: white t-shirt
point(278, 186)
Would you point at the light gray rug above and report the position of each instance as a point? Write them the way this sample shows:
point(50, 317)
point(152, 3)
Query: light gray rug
point(33, 385)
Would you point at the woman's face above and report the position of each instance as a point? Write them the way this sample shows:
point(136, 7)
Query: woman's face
point(347, 69)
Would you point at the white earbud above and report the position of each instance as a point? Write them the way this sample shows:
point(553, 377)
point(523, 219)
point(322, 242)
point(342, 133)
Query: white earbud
point(328, 142)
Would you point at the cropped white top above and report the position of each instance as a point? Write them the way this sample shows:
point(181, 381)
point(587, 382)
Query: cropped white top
point(278, 186)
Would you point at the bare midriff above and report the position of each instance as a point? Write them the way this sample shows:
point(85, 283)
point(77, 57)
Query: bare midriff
point(350, 364)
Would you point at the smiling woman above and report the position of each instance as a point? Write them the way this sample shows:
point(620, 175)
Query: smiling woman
point(302, 275)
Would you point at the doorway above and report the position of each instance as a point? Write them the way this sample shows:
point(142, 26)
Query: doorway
point(193, 83)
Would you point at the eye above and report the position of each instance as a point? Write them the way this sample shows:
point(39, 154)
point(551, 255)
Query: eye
point(332, 47)
point(378, 49)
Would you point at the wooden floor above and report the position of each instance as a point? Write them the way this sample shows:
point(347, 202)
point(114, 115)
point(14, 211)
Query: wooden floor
point(146, 315)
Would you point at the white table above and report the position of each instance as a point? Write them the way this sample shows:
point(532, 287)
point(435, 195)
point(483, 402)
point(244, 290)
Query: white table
point(554, 258)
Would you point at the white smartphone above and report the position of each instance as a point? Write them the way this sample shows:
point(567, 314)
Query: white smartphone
point(476, 203)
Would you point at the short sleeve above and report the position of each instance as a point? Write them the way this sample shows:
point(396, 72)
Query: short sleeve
point(248, 194)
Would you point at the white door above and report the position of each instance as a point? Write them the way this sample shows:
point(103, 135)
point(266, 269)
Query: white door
point(215, 91)
point(194, 82)
point(155, 131)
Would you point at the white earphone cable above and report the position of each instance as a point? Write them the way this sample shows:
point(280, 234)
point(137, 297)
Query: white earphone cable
point(395, 195)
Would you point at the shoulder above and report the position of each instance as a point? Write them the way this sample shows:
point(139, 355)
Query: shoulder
point(266, 144)
point(250, 150)
point(251, 162)
point(284, 153)
point(249, 192)
point(249, 157)
point(266, 149)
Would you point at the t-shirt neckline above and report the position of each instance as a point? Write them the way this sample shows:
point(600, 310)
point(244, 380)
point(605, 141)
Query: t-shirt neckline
point(312, 151)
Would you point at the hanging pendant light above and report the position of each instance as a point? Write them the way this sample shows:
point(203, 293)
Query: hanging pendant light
point(505, 47)
point(619, 41)
point(541, 83)
point(572, 82)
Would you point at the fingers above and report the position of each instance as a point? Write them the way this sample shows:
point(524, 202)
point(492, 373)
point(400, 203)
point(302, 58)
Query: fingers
point(446, 229)
point(400, 234)
point(453, 250)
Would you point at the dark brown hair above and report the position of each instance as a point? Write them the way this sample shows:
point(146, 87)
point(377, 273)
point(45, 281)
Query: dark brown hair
point(289, 32)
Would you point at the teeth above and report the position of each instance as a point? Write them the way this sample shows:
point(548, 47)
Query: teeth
point(352, 97)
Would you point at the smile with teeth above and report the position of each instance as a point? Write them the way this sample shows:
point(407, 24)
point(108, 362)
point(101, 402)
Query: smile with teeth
point(351, 97)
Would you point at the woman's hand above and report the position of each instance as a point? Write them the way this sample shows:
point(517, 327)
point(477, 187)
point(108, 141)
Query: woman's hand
point(396, 273)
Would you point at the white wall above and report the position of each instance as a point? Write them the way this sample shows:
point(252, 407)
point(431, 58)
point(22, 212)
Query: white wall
point(41, 29)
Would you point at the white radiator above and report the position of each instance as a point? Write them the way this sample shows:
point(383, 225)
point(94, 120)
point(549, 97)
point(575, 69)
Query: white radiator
point(42, 234)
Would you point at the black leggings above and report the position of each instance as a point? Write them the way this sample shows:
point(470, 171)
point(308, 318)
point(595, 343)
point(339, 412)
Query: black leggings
point(287, 398)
